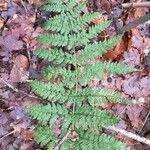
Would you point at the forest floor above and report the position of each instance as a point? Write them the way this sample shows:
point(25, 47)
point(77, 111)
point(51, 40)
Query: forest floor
point(20, 24)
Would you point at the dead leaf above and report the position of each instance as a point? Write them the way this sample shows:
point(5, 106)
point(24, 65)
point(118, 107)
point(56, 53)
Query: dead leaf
point(19, 72)
point(3, 5)
point(29, 101)
point(132, 57)
point(27, 145)
point(103, 5)
point(38, 3)
point(136, 87)
point(99, 19)
point(10, 42)
point(124, 45)
point(73, 136)
point(1, 23)
point(27, 134)
point(21, 26)
point(133, 113)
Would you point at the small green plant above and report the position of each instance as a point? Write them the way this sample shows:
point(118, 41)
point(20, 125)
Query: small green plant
point(68, 96)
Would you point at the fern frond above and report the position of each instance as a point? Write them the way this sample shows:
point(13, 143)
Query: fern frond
point(99, 71)
point(60, 6)
point(54, 39)
point(45, 137)
point(93, 118)
point(96, 29)
point(58, 56)
point(68, 76)
point(70, 35)
point(102, 96)
point(97, 49)
point(70, 41)
point(94, 141)
point(65, 25)
point(51, 92)
point(47, 114)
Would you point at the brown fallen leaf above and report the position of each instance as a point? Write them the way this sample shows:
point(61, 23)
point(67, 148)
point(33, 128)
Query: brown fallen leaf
point(99, 19)
point(10, 42)
point(1, 23)
point(3, 5)
point(124, 45)
point(19, 72)
point(27, 145)
point(73, 136)
point(103, 5)
point(38, 3)
point(27, 134)
point(134, 113)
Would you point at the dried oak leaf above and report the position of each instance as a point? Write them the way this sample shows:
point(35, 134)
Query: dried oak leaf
point(19, 72)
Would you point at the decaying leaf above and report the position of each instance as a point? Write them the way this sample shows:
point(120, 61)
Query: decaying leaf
point(73, 136)
point(124, 45)
point(1, 23)
point(3, 5)
point(19, 72)
point(134, 116)
point(10, 42)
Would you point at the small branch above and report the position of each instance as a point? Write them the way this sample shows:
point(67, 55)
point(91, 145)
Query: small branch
point(16, 90)
point(134, 23)
point(144, 121)
point(57, 147)
point(130, 135)
point(135, 5)
point(7, 135)
point(23, 4)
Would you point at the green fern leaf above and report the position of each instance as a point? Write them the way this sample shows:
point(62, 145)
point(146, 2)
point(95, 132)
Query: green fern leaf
point(93, 118)
point(71, 46)
point(45, 137)
point(100, 70)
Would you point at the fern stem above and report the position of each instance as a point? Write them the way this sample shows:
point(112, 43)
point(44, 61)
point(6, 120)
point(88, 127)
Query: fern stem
point(57, 147)
point(76, 88)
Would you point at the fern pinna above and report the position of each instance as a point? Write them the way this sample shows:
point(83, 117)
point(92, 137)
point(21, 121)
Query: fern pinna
point(71, 49)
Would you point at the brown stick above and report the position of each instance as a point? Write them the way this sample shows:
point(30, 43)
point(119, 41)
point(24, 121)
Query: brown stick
point(7, 135)
point(130, 135)
point(135, 5)
point(134, 23)
point(61, 141)
point(17, 90)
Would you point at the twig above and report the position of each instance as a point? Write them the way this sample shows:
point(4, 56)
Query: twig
point(130, 135)
point(135, 5)
point(7, 135)
point(9, 85)
point(23, 4)
point(144, 121)
point(134, 23)
point(61, 141)
point(16, 90)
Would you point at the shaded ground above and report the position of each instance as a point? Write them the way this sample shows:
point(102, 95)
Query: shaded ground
point(20, 24)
